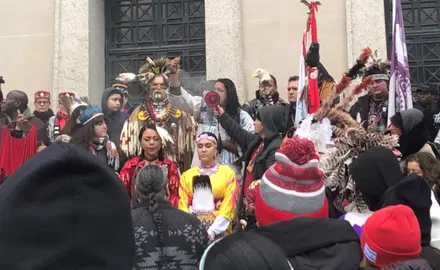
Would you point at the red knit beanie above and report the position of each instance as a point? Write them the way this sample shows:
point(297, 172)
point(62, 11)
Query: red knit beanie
point(391, 235)
point(293, 186)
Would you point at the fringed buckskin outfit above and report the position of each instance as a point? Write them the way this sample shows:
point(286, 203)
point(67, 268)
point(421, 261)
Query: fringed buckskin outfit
point(174, 126)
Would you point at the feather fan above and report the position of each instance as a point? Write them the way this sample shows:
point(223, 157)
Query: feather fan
point(319, 133)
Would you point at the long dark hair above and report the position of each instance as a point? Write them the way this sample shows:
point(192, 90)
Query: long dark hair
point(84, 135)
point(150, 125)
point(232, 103)
point(430, 166)
point(150, 187)
point(244, 251)
point(219, 142)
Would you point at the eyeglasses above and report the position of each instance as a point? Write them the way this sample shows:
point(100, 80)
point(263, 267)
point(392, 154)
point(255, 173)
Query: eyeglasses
point(42, 102)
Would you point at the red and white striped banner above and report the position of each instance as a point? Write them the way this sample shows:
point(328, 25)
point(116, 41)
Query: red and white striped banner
point(310, 35)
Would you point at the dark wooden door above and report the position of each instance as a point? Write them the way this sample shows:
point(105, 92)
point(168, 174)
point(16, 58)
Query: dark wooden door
point(136, 29)
point(422, 30)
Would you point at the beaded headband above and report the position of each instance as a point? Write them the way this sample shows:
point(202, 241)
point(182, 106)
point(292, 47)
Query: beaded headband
point(207, 137)
point(89, 113)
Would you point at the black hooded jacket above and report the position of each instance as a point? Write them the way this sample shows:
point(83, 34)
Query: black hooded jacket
point(415, 133)
point(416, 264)
point(316, 243)
point(373, 172)
point(65, 209)
point(115, 119)
point(273, 118)
point(414, 192)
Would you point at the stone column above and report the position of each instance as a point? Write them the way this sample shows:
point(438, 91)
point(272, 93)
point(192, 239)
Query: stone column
point(223, 42)
point(79, 48)
point(365, 28)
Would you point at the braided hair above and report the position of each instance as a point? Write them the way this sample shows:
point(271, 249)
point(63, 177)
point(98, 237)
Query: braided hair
point(150, 186)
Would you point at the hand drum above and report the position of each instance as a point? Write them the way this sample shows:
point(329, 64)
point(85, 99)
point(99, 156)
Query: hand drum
point(212, 99)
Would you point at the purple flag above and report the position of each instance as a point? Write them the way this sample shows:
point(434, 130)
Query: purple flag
point(399, 97)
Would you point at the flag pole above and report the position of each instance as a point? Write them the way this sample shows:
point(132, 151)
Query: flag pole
point(308, 92)
point(399, 96)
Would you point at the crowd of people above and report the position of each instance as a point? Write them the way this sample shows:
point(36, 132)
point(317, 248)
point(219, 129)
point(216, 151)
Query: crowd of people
point(181, 181)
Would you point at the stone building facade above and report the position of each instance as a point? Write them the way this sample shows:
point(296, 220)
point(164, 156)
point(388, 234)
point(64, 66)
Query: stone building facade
point(67, 45)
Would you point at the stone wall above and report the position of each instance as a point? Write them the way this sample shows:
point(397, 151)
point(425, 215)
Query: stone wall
point(60, 45)
point(26, 46)
point(79, 62)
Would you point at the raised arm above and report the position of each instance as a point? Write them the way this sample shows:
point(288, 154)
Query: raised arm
point(234, 130)
point(181, 99)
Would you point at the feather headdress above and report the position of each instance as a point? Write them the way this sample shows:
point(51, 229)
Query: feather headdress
point(338, 117)
point(150, 69)
point(87, 112)
point(71, 103)
point(376, 67)
point(350, 139)
point(161, 66)
point(262, 75)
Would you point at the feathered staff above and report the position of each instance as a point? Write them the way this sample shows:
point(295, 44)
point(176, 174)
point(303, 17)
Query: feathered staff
point(263, 77)
point(356, 91)
point(354, 71)
point(343, 84)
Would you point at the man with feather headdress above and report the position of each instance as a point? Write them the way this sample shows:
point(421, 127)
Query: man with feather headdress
point(174, 126)
point(350, 140)
point(373, 108)
point(267, 94)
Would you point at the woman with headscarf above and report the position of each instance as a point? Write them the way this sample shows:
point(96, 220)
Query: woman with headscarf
point(210, 190)
point(152, 153)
